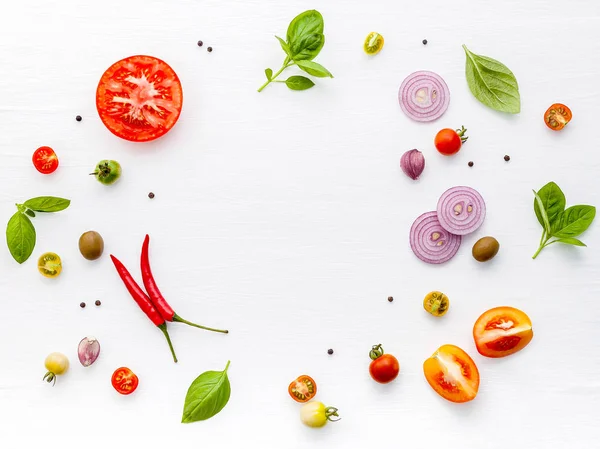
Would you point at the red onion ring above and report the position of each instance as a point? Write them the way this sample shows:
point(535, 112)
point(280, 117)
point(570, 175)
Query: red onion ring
point(424, 96)
point(461, 210)
point(430, 242)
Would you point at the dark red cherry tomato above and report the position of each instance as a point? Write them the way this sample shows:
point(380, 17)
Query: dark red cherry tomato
point(384, 367)
point(449, 141)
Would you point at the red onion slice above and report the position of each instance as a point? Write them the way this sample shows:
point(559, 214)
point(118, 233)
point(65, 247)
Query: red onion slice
point(430, 242)
point(424, 96)
point(461, 210)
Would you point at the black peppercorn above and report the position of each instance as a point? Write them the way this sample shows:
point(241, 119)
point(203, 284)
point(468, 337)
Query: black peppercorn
point(97, 302)
point(390, 298)
point(330, 351)
point(507, 158)
point(151, 195)
point(78, 118)
point(200, 43)
point(424, 41)
point(209, 49)
point(470, 163)
point(82, 305)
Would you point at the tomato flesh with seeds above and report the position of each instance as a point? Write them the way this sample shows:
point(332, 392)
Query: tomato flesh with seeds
point(452, 373)
point(124, 380)
point(139, 98)
point(502, 331)
point(45, 160)
point(557, 116)
point(303, 389)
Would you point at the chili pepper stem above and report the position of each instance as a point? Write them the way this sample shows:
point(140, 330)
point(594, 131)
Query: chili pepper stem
point(178, 319)
point(163, 328)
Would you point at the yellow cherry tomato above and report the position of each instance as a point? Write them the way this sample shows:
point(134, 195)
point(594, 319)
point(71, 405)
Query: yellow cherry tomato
point(49, 265)
point(373, 43)
point(56, 364)
point(315, 414)
point(436, 303)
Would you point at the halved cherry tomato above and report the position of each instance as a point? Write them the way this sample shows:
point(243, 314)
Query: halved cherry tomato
point(452, 374)
point(373, 43)
point(502, 331)
point(557, 116)
point(139, 98)
point(449, 141)
point(303, 389)
point(124, 380)
point(45, 160)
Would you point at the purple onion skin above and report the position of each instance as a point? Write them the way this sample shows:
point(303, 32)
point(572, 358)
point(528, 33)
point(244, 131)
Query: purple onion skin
point(88, 351)
point(412, 164)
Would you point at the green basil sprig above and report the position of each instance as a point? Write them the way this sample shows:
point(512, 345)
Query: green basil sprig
point(492, 83)
point(20, 233)
point(304, 41)
point(558, 223)
point(207, 396)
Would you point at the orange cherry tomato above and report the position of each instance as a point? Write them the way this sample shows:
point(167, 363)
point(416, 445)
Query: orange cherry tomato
point(557, 116)
point(502, 331)
point(45, 160)
point(303, 389)
point(449, 141)
point(124, 380)
point(452, 374)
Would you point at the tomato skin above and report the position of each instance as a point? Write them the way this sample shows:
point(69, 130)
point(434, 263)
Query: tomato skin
point(45, 160)
point(303, 389)
point(452, 374)
point(316, 414)
point(449, 142)
point(384, 367)
point(124, 381)
point(139, 98)
point(502, 331)
point(557, 116)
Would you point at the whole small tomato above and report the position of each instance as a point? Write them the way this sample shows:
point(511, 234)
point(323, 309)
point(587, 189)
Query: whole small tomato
point(57, 364)
point(449, 141)
point(384, 367)
point(557, 116)
point(315, 414)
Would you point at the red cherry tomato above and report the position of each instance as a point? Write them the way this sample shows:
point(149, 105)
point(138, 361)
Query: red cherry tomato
point(449, 141)
point(139, 98)
point(45, 160)
point(124, 380)
point(384, 367)
point(303, 389)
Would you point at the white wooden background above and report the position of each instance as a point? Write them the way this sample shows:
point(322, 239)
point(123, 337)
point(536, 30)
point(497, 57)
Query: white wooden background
point(284, 216)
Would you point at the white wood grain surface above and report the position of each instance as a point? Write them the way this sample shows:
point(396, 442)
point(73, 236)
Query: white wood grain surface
point(284, 216)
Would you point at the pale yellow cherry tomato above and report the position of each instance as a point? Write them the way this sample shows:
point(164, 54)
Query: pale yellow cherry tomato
point(315, 414)
point(50, 265)
point(56, 364)
point(436, 303)
point(373, 43)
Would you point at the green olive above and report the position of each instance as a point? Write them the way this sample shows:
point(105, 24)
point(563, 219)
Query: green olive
point(485, 249)
point(91, 245)
point(107, 172)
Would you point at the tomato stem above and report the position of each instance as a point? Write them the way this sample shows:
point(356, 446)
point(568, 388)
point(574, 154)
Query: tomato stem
point(376, 352)
point(178, 319)
point(461, 133)
point(330, 412)
point(285, 65)
point(163, 328)
point(50, 377)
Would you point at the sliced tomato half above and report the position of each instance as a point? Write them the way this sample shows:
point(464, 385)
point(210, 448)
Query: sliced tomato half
point(139, 98)
point(303, 389)
point(452, 374)
point(502, 331)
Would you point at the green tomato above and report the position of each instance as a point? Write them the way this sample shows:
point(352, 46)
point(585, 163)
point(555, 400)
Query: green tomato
point(56, 364)
point(315, 414)
point(107, 171)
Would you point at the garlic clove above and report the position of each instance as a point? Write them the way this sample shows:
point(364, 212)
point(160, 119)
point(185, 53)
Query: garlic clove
point(412, 164)
point(88, 351)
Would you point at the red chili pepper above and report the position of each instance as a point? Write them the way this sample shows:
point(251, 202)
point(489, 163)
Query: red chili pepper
point(143, 301)
point(156, 296)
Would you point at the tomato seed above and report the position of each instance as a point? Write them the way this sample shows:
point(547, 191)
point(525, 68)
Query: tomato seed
point(330, 351)
point(97, 302)
point(82, 305)
point(390, 298)
point(200, 43)
point(209, 49)
point(470, 163)
point(424, 41)
point(507, 158)
point(151, 195)
point(79, 118)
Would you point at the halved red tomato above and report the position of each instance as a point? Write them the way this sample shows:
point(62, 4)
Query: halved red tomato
point(452, 374)
point(139, 98)
point(124, 380)
point(45, 160)
point(303, 389)
point(502, 331)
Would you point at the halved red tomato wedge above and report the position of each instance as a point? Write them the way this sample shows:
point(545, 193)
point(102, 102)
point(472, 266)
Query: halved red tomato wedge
point(502, 331)
point(452, 374)
point(303, 389)
point(139, 98)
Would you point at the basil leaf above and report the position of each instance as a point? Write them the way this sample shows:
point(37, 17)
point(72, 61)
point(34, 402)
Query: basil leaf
point(47, 204)
point(545, 222)
point(305, 24)
point(573, 221)
point(207, 396)
point(492, 83)
point(314, 68)
point(284, 46)
point(297, 82)
point(269, 74)
point(30, 213)
point(307, 47)
point(571, 241)
point(553, 200)
point(20, 237)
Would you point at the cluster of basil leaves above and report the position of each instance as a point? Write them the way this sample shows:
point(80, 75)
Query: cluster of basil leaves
point(303, 43)
point(560, 225)
point(20, 233)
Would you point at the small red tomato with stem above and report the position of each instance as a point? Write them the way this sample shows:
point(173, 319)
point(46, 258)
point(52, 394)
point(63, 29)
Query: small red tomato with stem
point(449, 141)
point(384, 367)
